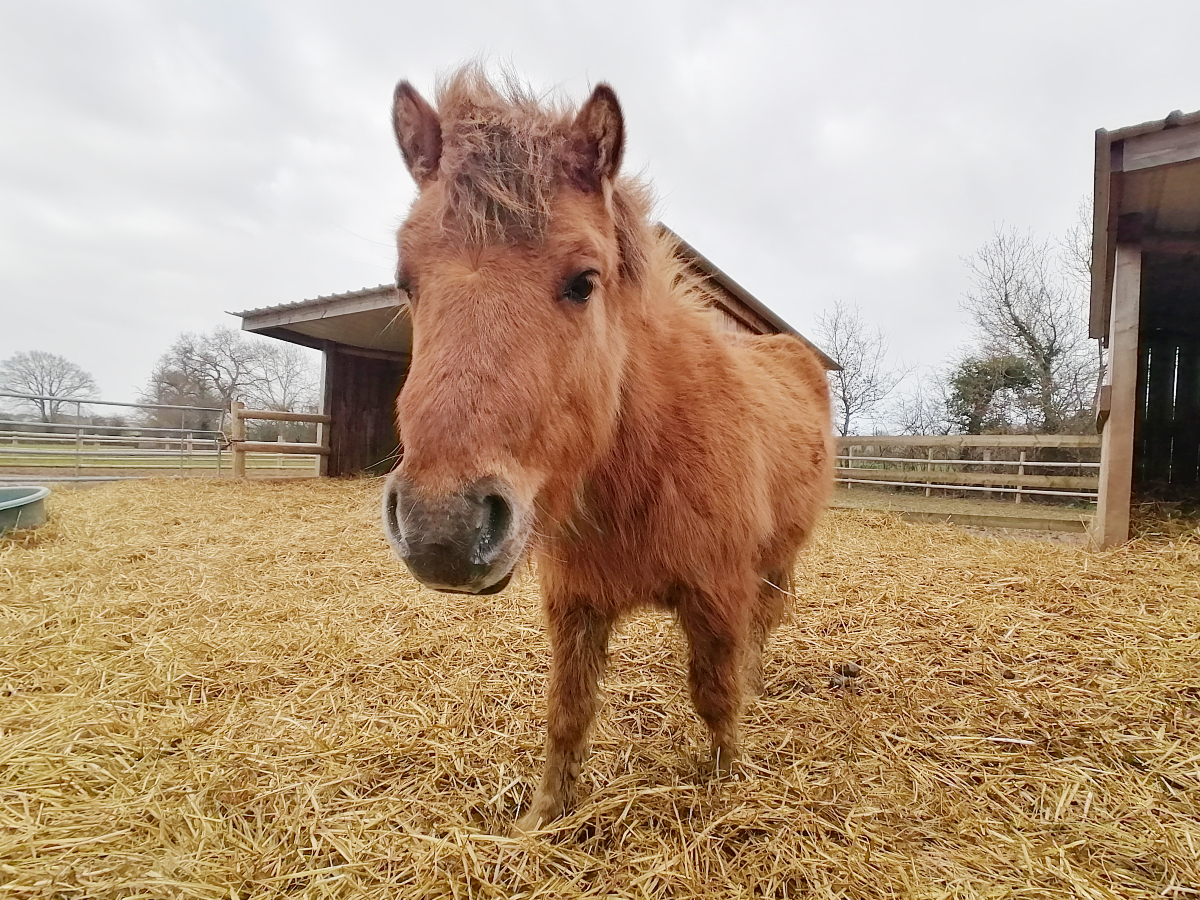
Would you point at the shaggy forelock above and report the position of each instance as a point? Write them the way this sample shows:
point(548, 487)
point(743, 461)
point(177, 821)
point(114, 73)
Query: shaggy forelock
point(501, 163)
point(500, 154)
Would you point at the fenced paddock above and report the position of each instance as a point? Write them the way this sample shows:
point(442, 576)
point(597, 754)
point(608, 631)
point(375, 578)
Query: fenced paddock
point(76, 448)
point(231, 689)
point(1022, 466)
point(1040, 482)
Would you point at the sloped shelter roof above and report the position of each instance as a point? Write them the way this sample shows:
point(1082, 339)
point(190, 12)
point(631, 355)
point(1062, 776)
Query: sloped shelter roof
point(1147, 190)
point(375, 319)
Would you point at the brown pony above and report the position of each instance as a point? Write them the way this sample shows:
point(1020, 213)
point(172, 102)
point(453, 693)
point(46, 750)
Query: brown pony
point(571, 396)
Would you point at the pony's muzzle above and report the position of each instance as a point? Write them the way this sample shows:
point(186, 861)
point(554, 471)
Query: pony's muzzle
point(463, 542)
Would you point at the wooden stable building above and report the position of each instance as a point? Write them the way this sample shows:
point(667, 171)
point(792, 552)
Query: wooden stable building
point(366, 340)
point(1145, 308)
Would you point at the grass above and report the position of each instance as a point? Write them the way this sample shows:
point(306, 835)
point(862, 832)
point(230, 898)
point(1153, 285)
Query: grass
point(213, 689)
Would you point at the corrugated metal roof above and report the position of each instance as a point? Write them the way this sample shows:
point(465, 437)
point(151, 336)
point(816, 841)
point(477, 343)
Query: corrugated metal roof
point(381, 290)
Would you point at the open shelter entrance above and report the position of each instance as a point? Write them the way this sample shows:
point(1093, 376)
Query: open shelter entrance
point(1145, 308)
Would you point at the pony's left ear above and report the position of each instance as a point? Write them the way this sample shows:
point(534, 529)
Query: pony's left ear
point(597, 141)
point(418, 132)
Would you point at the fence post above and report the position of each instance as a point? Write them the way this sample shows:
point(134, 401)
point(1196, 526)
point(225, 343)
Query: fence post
point(220, 431)
point(78, 436)
point(1020, 475)
point(237, 434)
point(279, 470)
point(850, 465)
point(928, 468)
point(322, 458)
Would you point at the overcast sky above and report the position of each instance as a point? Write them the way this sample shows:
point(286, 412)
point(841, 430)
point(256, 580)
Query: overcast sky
point(163, 162)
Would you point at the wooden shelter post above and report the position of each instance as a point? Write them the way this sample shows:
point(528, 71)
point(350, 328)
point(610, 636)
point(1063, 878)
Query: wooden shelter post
point(1111, 525)
point(237, 438)
point(323, 429)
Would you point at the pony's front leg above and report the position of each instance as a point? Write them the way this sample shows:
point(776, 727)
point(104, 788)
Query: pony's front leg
point(717, 636)
point(579, 645)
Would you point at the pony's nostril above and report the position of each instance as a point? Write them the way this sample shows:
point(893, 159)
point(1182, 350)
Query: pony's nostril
point(390, 519)
point(497, 516)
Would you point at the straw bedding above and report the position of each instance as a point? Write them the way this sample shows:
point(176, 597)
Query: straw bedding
point(232, 690)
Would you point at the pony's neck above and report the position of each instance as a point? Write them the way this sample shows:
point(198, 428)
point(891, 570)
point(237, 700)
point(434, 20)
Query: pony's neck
point(672, 349)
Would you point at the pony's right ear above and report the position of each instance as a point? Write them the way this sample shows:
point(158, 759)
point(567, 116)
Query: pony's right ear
point(597, 141)
point(418, 132)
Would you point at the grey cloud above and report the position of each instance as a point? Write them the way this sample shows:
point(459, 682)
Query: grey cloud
point(161, 162)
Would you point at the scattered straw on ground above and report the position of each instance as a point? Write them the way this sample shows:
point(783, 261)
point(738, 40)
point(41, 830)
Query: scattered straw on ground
point(222, 690)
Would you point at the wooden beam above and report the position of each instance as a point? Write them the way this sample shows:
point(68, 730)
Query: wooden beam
point(332, 366)
point(1161, 148)
point(1103, 406)
point(276, 416)
point(1131, 228)
point(237, 434)
point(985, 479)
point(1164, 242)
point(1102, 198)
point(370, 353)
point(1111, 525)
point(323, 427)
point(281, 447)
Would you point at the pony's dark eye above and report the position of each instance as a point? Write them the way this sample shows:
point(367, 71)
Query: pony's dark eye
point(579, 288)
point(405, 287)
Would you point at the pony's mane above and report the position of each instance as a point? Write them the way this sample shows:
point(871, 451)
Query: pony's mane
point(502, 153)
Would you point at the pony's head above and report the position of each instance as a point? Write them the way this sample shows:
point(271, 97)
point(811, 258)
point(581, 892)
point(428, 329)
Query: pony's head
point(517, 259)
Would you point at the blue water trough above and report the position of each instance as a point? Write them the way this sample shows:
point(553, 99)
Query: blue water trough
point(22, 507)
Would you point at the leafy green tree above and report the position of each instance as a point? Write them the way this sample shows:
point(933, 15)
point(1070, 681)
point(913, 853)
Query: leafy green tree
point(990, 393)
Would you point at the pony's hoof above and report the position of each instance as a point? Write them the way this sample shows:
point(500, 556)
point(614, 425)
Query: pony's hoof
point(538, 817)
point(719, 765)
point(528, 823)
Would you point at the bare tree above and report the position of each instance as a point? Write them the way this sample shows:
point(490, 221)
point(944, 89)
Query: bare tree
point(226, 362)
point(1025, 303)
point(1076, 254)
point(1076, 245)
point(47, 375)
point(213, 369)
point(288, 380)
point(866, 379)
point(922, 407)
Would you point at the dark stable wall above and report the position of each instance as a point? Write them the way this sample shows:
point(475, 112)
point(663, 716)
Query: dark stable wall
point(1167, 432)
point(360, 399)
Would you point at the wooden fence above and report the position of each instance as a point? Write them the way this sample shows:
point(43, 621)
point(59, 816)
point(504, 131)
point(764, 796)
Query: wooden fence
point(992, 463)
point(238, 414)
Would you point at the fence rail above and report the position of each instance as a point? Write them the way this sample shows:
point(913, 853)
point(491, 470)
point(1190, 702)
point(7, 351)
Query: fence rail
point(76, 447)
point(239, 415)
point(961, 472)
point(75, 443)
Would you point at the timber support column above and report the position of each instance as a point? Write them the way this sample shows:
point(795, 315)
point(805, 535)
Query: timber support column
point(237, 437)
point(1111, 526)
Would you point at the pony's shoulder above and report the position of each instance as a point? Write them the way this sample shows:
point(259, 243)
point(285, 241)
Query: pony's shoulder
point(785, 353)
